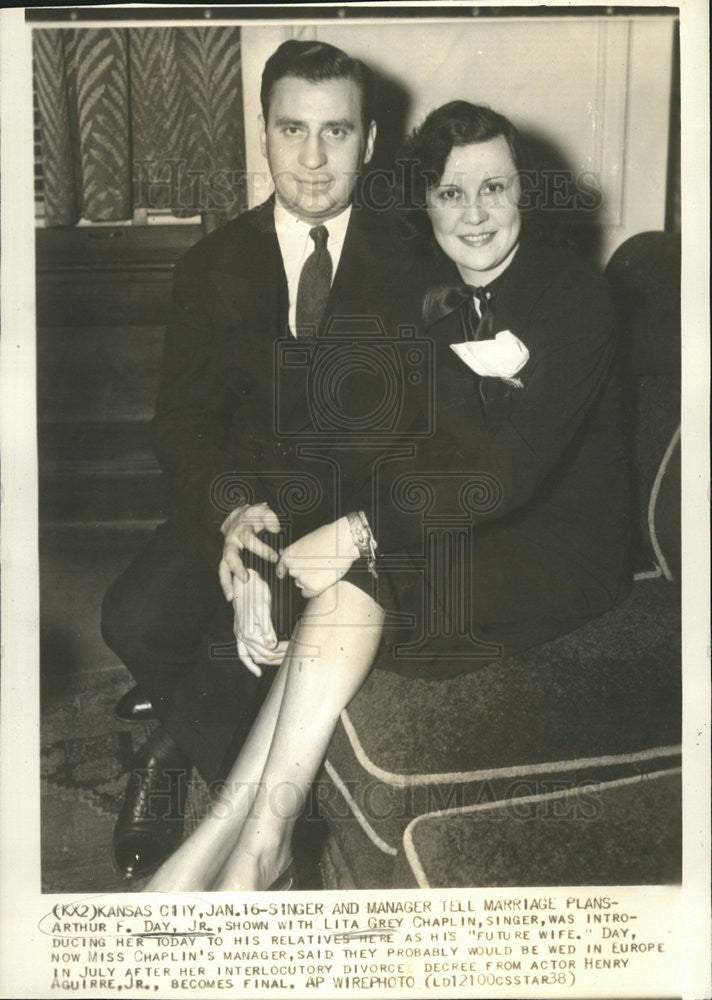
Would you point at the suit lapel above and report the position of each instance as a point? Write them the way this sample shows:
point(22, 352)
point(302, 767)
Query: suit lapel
point(373, 273)
point(265, 279)
point(351, 263)
point(492, 393)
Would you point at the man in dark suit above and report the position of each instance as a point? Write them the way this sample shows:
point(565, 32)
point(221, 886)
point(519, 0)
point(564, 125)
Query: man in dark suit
point(225, 429)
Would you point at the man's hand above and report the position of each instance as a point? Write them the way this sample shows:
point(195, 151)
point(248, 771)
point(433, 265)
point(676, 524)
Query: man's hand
point(256, 638)
point(240, 529)
point(318, 560)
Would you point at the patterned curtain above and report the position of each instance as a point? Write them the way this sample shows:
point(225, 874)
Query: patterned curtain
point(134, 118)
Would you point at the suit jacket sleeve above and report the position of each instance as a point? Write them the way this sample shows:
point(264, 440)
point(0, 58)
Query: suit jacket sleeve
point(194, 408)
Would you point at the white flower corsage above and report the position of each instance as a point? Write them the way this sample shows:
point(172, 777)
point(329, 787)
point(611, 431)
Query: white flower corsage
point(501, 357)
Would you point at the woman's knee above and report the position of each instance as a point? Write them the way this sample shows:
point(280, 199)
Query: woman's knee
point(338, 637)
point(346, 605)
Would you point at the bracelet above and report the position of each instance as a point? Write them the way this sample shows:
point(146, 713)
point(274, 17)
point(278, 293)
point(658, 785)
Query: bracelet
point(363, 539)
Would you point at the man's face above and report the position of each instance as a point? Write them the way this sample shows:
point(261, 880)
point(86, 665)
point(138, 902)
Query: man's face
point(315, 145)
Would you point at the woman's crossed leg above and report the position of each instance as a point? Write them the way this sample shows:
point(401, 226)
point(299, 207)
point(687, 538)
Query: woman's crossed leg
point(244, 842)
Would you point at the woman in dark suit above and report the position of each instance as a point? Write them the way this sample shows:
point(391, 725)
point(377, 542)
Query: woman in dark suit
point(527, 399)
point(527, 405)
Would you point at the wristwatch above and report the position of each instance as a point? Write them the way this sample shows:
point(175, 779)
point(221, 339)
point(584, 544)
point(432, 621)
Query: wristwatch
point(363, 539)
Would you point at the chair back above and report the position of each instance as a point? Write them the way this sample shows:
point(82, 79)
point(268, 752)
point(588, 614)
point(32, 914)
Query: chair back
point(644, 273)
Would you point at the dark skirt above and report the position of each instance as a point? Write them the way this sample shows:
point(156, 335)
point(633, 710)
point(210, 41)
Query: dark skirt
point(444, 619)
point(449, 613)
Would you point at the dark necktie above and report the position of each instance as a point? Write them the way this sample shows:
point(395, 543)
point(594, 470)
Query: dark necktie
point(314, 284)
point(479, 327)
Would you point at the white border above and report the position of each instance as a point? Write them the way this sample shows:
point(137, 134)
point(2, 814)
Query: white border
point(19, 816)
point(19, 721)
point(695, 479)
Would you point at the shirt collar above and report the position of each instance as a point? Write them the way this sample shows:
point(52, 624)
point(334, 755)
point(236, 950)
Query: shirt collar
point(290, 227)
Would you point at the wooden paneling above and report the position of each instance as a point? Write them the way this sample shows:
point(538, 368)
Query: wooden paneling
point(97, 373)
point(103, 298)
point(85, 297)
point(108, 275)
point(113, 246)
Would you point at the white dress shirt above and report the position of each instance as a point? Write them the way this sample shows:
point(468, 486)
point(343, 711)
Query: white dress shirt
point(296, 245)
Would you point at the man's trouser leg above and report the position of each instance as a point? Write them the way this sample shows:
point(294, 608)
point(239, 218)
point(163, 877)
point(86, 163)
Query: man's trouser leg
point(167, 619)
point(213, 707)
point(155, 614)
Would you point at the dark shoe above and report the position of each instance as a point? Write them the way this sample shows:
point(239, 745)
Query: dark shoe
point(150, 824)
point(135, 706)
point(286, 881)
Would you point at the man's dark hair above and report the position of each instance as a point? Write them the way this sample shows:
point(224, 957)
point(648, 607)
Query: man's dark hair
point(316, 61)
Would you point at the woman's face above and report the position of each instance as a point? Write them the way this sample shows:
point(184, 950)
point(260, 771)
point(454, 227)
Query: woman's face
point(474, 209)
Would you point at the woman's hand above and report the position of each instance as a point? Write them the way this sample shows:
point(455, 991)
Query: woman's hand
point(256, 638)
point(318, 560)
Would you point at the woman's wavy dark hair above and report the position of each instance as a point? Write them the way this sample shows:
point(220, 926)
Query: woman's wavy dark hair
point(424, 154)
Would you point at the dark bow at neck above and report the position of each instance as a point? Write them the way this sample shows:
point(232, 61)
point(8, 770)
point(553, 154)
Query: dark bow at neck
point(445, 299)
